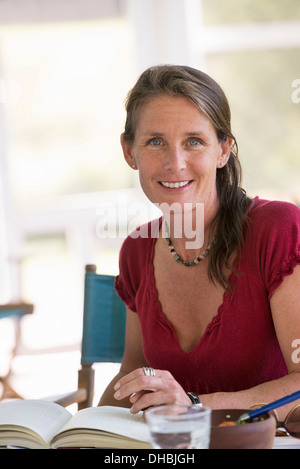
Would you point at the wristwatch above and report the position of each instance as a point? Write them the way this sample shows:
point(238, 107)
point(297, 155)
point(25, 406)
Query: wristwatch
point(194, 398)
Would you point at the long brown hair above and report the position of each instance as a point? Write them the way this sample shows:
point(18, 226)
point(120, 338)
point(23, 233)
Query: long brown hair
point(210, 99)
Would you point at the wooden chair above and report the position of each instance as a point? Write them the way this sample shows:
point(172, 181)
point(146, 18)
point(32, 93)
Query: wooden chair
point(103, 333)
point(15, 311)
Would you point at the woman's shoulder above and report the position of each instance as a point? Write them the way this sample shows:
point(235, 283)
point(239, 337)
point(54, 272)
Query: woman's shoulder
point(273, 241)
point(274, 223)
point(271, 212)
point(140, 241)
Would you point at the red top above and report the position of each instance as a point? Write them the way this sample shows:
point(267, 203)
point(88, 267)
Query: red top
point(239, 348)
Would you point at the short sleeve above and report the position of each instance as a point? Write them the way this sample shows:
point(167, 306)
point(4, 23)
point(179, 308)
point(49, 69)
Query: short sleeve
point(123, 282)
point(135, 254)
point(280, 243)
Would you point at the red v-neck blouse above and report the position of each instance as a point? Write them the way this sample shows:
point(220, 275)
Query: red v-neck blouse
point(239, 348)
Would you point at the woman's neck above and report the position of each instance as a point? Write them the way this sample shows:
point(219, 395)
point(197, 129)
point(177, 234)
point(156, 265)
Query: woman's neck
point(189, 231)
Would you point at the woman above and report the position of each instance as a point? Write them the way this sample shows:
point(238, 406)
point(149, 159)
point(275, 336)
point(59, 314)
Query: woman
point(216, 320)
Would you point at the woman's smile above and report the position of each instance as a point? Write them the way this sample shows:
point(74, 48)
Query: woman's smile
point(175, 185)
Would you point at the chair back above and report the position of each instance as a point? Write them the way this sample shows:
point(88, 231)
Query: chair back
point(15, 310)
point(104, 318)
point(103, 334)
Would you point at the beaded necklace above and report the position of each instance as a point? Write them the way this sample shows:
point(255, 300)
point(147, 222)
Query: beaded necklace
point(178, 258)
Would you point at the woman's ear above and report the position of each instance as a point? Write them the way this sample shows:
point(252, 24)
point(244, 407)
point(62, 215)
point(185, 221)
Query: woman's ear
point(225, 152)
point(127, 152)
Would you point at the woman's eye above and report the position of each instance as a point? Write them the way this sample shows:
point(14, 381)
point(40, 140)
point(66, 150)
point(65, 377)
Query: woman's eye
point(193, 142)
point(155, 142)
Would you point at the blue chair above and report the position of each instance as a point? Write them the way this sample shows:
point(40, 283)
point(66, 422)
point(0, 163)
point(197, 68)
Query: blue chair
point(103, 333)
point(15, 311)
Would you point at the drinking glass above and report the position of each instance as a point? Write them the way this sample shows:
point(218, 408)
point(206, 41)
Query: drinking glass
point(179, 426)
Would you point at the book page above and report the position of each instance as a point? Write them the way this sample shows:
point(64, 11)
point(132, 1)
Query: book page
point(116, 420)
point(43, 417)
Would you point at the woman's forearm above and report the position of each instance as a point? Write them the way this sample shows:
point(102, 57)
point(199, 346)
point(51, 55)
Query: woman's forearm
point(261, 394)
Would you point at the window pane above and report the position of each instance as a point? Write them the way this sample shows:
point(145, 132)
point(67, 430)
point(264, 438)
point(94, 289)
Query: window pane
point(65, 86)
point(265, 119)
point(245, 11)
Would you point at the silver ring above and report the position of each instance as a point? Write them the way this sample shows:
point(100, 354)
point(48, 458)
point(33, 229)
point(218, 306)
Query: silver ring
point(148, 371)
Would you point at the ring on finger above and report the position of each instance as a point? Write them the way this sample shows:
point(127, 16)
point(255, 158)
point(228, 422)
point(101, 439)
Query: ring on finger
point(148, 371)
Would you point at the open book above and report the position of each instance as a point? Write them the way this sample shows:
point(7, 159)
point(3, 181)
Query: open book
point(43, 424)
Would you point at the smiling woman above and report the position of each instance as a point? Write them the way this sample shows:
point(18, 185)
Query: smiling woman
point(176, 95)
point(194, 321)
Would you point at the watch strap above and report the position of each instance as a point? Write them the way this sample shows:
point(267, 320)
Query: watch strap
point(194, 398)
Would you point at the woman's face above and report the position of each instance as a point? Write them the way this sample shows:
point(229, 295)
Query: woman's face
point(177, 153)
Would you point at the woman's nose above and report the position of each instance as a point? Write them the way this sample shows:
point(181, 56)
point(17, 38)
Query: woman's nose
point(174, 159)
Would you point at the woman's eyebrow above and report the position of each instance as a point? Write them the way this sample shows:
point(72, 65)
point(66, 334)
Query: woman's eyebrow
point(197, 133)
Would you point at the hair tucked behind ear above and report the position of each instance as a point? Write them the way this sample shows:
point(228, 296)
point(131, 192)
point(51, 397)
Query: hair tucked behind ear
point(210, 99)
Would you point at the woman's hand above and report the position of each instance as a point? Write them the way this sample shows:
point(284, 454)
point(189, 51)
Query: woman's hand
point(147, 391)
